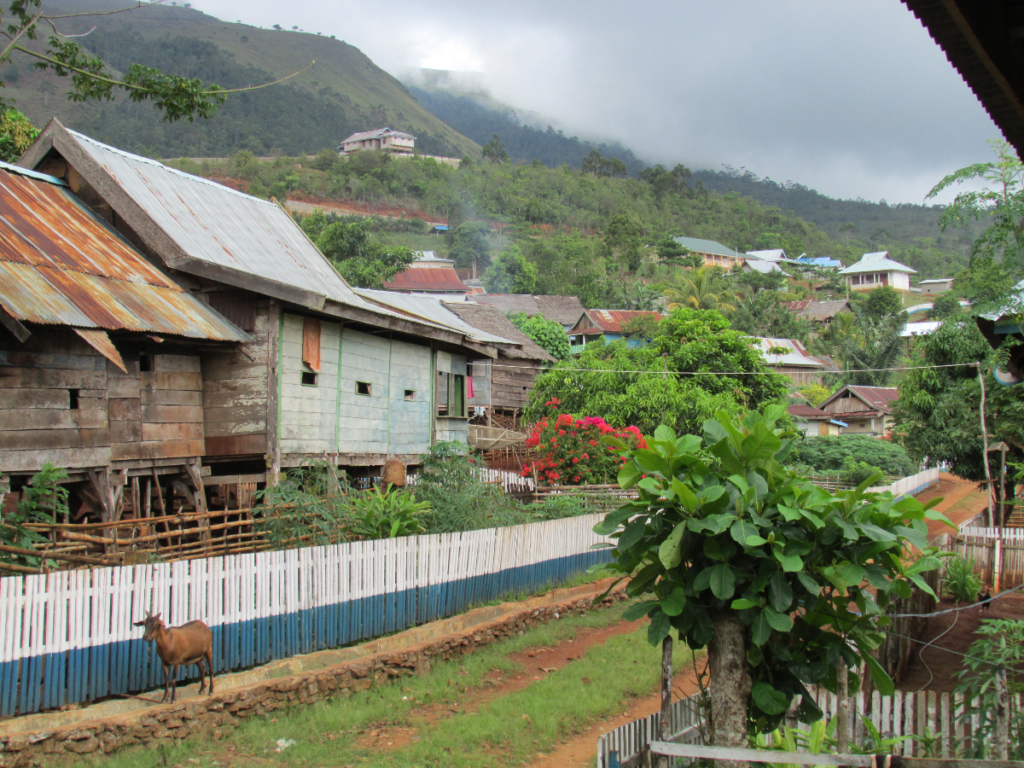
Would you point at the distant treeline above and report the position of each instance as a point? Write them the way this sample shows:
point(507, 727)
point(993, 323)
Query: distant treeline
point(551, 147)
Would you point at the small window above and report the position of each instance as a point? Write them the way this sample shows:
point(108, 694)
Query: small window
point(363, 388)
point(73, 399)
point(145, 362)
point(410, 394)
point(308, 379)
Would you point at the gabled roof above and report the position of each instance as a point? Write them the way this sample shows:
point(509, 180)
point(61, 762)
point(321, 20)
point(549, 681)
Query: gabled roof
point(707, 246)
point(611, 320)
point(936, 281)
point(60, 264)
point(760, 265)
point(876, 262)
point(493, 321)
point(433, 310)
point(428, 279)
point(796, 354)
point(874, 398)
point(562, 309)
point(818, 310)
point(819, 261)
point(808, 412)
point(774, 254)
point(378, 133)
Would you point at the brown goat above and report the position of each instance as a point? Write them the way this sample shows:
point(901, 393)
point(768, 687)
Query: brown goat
point(191, 643)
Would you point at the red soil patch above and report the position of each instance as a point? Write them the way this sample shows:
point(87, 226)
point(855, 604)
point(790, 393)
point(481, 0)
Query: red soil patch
point(536, 664)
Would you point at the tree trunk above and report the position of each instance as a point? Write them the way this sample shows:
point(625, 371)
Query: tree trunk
point(730, 684)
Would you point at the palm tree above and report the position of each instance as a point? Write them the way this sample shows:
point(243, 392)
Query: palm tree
point(878, 346)
point(696, 289)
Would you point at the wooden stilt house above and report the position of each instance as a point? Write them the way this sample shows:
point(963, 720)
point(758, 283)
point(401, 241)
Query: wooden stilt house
point(325, 373)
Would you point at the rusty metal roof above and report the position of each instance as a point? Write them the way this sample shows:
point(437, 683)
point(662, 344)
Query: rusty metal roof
point(611, 320)
point(428, 279)
point(60, 264)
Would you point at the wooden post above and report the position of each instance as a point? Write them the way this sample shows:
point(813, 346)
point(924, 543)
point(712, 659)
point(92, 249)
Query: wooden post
point(664, 726)
point(1002, 485)
point(997, 565)
point(1002, 732)
point(843, 715)
point(984, 439)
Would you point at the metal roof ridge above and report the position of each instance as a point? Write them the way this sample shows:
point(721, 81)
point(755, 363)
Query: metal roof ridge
point(158, 164)
point(33, 174)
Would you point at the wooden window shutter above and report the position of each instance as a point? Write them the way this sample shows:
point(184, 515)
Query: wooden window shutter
point(311, 343)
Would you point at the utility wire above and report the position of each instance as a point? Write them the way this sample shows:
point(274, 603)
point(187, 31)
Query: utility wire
point(991, 599)
point(723, 373)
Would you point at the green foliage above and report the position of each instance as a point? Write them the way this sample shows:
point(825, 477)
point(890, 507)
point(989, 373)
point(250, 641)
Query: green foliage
point(1001, 643)
point(985, 281)
point(307, 508)
point(386, 513)
point(883, 302)
point(549, 335)
point(937, 413)
point(494, 151)
point(599, 165)
point(815, 394)
point(665, 182)
point(870, 351)
point(642, 328)
point(16, 134)
point(626, 385)
point(721, 529)
point(458, 499)
point(510, 272)
point(468, 245)
point(945, 306)
point(43, 500)
point(556, 507)
point(1000, 202)
point(961, 582)
point(362, 260)
point(702, 288)
point(838, 453)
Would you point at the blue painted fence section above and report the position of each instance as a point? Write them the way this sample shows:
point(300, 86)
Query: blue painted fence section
point(68, 637)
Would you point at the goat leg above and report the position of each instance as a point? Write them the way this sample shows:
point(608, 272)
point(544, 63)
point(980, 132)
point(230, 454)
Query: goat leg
point(174, 682)
point(202, 677)
point(208, 655)
point(167, 682)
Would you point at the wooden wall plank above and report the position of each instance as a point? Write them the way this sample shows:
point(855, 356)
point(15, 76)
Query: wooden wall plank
point(171, 397)
point(124, 409)
point(40, 418)
point(31, 359)
point(70, 458)
point(163, 449)
point(42, 439)
point(172, 381)
point(34, 398)
point(172, 431)
point(236, 445)
point(52, 378)
point(176, 363)
point(164, 414)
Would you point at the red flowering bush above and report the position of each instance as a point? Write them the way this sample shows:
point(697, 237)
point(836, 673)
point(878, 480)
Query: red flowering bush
point(572, 451)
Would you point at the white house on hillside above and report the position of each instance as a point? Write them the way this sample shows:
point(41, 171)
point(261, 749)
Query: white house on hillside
point(380, 138)
point(875, 270)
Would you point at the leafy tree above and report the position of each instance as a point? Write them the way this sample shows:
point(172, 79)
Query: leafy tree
point(627, 385)
point(468, 245)
point(665, 182)
point(779, 579)
point(946, 305)
point(510, 272)
point(672, 252)
point(834, 454)
point(363, 261)
point(883, 302)
point(16, 134)
point(494, 151)
point(876, 347)
point(1000, 202)
point(985, 281)
point(642, 328)
point(815, 394)
point(598, 165)
point(762, 314)
point(623, 236)
point(937, 414)
point(549, 335)
point(701, 288)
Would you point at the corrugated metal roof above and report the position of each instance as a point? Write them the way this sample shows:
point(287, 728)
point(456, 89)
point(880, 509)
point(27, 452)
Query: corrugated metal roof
point(611, 320)
point(62, 265)
point(876, 262)
point(427, 279)
point(377, 133)
point(221, 226)
point(920, 329)
point(814, 310)
point(872, 398)
point(433, 310)
point(796, 354)
point(819, 261)
point(708, 246)
point(760, 265)
point(773, 254)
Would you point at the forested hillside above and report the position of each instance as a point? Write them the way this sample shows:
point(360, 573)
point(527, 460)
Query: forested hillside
point(344, 92)
point(522, 142)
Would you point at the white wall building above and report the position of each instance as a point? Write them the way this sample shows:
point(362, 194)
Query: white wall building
point(876, 270)
point(379, 139)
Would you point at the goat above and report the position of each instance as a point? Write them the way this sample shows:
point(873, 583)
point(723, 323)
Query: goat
point(191, 643)
point(986, 598)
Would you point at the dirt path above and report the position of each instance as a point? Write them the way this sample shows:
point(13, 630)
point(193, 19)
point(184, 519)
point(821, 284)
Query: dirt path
point(961, 501)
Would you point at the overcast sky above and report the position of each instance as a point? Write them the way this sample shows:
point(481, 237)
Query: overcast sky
point(850, 97)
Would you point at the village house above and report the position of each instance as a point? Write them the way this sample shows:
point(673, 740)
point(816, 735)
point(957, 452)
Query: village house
point(565, 310)
point(821, 313)
point(762, 266)
point(429, 275)
point(772, 254)
point(791, 358)
point(325, 375)
point(876, 270)
point(594, 324)
point(936, 286)
point(824, 262)
point(814, 422)
point(100, 354)
point(381, 139)
point(866, 410)
point(714, 254)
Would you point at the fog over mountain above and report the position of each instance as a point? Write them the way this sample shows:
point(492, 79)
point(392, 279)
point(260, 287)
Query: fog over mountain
point(850, 97)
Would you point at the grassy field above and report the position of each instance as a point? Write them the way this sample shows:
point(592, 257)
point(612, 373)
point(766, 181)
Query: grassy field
point(505, 730)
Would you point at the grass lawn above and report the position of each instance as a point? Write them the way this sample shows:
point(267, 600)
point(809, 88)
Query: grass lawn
point(503, 730)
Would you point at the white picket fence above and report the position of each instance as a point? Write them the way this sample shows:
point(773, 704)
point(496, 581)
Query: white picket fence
point(509, 481)
point(995, 551)
point(926, 724)
point(908, 486)
point(67, 637)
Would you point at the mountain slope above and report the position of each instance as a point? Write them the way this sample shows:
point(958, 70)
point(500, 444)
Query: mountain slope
point(344, 92)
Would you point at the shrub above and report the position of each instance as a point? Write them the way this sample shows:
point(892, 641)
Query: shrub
point(573, 450)
point(44, 500)
point(307, 508)
point(386, 513)
point(835, 454)
point(549, 335)
point(961, 582)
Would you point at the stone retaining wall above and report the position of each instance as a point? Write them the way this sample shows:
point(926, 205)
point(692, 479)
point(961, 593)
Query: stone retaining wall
point(214, 716)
